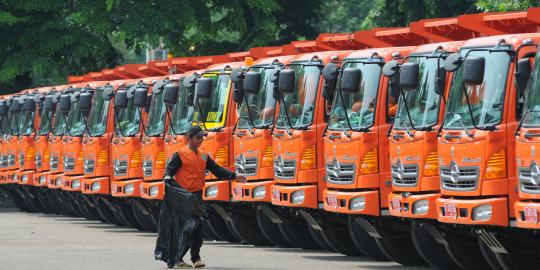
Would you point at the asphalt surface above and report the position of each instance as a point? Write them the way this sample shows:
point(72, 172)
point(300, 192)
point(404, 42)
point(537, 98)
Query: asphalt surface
point(38, 241)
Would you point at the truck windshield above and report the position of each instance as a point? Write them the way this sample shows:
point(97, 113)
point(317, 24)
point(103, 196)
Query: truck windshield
point(182, 115)
point(532, 103)
point(129, 120)
point(423, 102)
point(262, 105)
point(214, 108)
point(486, 100)
point(97, 119)
point(359, 106)
point(75, 120)
point(27, 122)
point(156, 116)
point(5, 126)
point(45, 122)
point(14, 119)
point(59, 122)
point(301, 103)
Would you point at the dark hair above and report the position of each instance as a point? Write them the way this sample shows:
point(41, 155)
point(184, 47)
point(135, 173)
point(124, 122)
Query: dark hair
point(194, 131)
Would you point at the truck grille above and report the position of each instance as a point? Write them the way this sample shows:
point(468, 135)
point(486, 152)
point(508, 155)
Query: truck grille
point(246, 165)
point(89, 165)
point(3, 161)
point(455, 177)
point(21, 159)
point(340, 173)
point(147, 167)
point(11, 160)
point(284, 168)
point(54, 162)
point(39, 162)
point(69, 164)
point(404, 175)
point(120, 167)
point(529, 179)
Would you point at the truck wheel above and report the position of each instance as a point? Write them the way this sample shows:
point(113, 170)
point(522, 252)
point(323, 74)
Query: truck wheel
point(105, 212)
point(66, 204)
point(432, 252)
point(271, 230)
point(18, 201)
point(247, 228)
point(89, 209)
point(143, 216)
point(338, 238)
point(126, 214)
point(218, 226)
point(319, 238)
point(364, 242)
point(295, 232)
point(513, 260)
point(465, 252)
point(398, 246)
point(53, 202)
point(42, 198)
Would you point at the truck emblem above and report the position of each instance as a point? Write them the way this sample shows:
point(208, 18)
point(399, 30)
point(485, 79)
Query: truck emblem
point(454, 172)
point(400, 170)
point(535, 174)
point(281, 164)
point(336, 168)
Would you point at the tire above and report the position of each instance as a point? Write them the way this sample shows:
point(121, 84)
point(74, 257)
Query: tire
point(433, 253)
point(247, 228)
point(42, 198)
point(271, 230)
point(465, 252)
point(338, 238)
point(66, 204)
point(89, 209)
point(106, 213)
point(512, 260)
point(33, 198)
point(53, 202)
point(364, 242)
point(320, 238)
point(218, 226)
point(398, 246)
point(143, 215)
point(19, 202)
point(295, 232)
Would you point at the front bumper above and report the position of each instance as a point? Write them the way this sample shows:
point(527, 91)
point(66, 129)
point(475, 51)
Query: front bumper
point(152, 190)
point(462, 211)
point(73, 183)
point(96, 185)
point(252, 191)
point(217, 191)
point(126, 188)
point(283, 196)
point(527, 214)
point(7, 177)
point(402, 206)
point(25, 177)
point(56, 181)
point(342, 202)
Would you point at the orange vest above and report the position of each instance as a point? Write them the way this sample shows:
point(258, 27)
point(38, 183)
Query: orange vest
point(193, 170)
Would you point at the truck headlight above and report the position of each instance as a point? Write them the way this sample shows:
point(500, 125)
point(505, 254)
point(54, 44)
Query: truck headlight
point(420, 207)
point(76, 184)
point(96, 186)
point(24, 178)
point(358, 203)
point(129, 188)
point(211, 191)
point(15, 177)
point(259, 192)
point(42, 180)
point(58, 181)
point(482, 212)
point(153, 191)
point(298, 196)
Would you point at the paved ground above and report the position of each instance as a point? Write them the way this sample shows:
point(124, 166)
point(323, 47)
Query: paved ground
point(47, 242)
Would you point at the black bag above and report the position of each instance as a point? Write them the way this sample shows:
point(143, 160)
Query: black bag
point(181, 213)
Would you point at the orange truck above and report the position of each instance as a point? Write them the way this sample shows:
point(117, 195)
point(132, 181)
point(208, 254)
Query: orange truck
point(476, 148)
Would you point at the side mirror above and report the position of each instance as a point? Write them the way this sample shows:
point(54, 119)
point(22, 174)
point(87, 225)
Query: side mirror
point(65, 103)
point(204, 87)
point(237, 77)
point(120, 99)
point(391, 68)
point(108, 92)
point(158, 87)
point(350, 80)
point(29, 105)
point(85, 103)
point(15, 106)
point(148, 102)
point(286, 81)
point(252, 82)
point(139, 97)
point(170, 94)
point(452, 62)
point(49, 103)
point(473, 70)
point(408, 76)
point(441, 81)
point(74, 97)
point(330, 73)
point(3, 108)
point(38, 98)
point(522, 74)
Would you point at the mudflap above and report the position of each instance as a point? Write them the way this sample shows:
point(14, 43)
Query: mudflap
point(332, 231)
point(142, 212)
point(431, 245)
point(293, 227)
point(267, 221)
point(105, 211)
point(125, 212)
point(78, 204)
point(363, 235)
point(216, 223)
point(509, 249)
point(243, 220)
point(90, 206)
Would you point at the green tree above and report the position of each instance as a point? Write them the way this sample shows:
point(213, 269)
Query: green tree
point(506, 5)
point(346, 15)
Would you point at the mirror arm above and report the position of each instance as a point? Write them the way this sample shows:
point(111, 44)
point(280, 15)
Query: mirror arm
point(346, 115)
point(470, 108)
point(391, 128)
point(286, 114)
point(143, 129)
point(170, 123)
point(249, 114)
point(407, 110)
point(201, 114)
point(67, 126)
point(117, 123)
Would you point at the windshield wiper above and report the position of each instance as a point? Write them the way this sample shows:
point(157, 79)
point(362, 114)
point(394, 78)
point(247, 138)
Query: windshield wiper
point(520, 124)
point(458, 118)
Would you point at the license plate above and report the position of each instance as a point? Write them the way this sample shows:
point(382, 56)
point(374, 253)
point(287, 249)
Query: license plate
point(238, 192)
point(451, 210)
point(332, 201)
point(396, 204)
point(276, 195)
point(531, 215)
